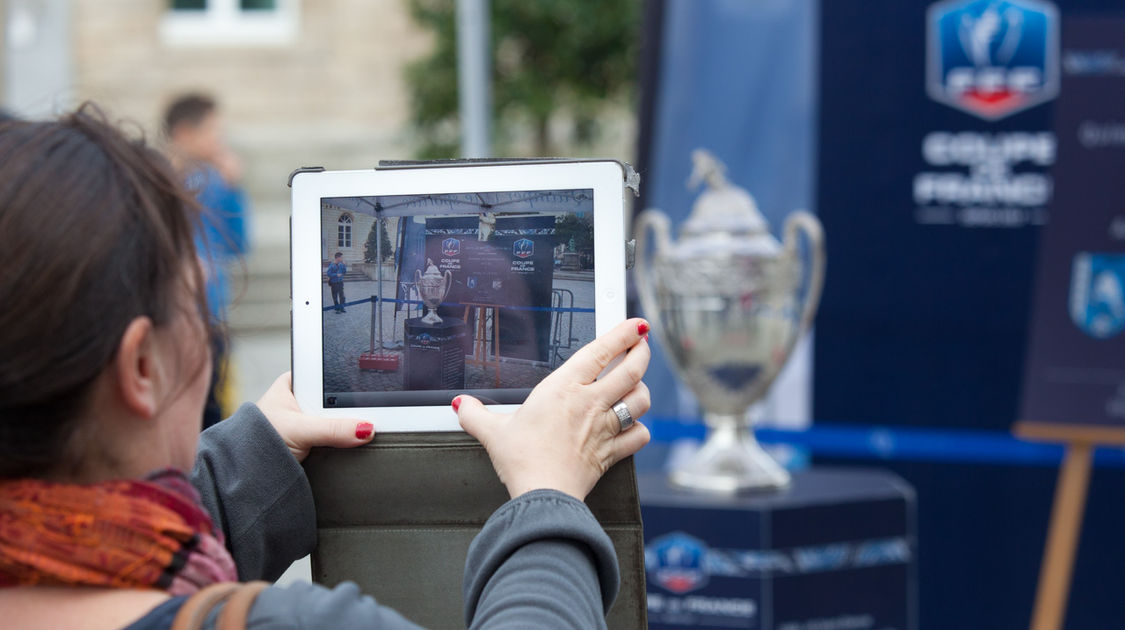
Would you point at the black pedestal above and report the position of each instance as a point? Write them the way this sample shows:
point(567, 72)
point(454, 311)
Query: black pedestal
point(834, 550)
point(435, 354)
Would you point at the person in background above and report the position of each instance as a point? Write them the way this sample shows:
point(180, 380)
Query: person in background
point(335, 273)
point(213, 173)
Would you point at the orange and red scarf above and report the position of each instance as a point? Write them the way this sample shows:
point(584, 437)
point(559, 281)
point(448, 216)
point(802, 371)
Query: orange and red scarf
point(125, 534)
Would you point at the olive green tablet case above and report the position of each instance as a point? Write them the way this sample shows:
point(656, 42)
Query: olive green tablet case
point(397, 516)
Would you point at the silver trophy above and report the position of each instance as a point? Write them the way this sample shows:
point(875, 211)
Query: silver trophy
point(432, 289)
point(727, 305)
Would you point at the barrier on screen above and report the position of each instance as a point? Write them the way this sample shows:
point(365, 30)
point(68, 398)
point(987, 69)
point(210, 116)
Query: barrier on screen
point(486, 336)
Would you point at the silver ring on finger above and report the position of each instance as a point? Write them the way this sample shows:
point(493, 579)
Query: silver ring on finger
point(624, 417)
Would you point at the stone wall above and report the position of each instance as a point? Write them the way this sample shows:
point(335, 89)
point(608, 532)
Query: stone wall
point(360, 225)
point(339, 81)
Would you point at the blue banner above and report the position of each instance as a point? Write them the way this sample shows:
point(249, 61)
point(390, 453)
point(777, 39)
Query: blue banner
point(737, 78)
point(1076, 359)
point(934, 177)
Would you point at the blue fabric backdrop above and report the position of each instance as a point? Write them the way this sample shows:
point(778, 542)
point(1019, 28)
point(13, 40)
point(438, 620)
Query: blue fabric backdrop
point(737, 78)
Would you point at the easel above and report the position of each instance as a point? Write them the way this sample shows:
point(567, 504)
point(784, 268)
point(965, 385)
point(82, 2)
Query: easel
point(480, 337)
point(1066, 512)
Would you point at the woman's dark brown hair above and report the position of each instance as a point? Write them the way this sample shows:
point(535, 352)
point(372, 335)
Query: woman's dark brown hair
point(94, 232)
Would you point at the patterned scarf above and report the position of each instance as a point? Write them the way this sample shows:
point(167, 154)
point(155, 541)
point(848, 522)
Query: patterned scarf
point(124, 534)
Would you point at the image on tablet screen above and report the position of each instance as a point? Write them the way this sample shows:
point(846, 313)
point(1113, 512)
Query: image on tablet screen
point(429, 296)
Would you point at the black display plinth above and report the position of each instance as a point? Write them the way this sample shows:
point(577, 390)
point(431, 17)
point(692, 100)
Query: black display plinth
point(834, 550)
point(435, 354)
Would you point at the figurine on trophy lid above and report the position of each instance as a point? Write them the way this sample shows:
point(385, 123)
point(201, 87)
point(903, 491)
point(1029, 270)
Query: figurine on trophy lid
point(726, 303)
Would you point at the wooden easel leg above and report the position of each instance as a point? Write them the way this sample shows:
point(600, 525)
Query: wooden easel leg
point(1062, 537)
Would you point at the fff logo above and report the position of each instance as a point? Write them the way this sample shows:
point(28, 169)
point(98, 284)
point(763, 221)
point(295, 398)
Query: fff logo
point(676, 562)
point(450, 247)
point(523, 248)
point(992, 58)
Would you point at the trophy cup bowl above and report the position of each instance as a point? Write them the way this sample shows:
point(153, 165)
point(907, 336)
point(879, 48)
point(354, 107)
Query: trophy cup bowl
point(725, 302)
point(432, 289)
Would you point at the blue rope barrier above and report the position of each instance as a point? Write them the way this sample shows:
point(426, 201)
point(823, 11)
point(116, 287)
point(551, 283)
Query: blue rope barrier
point(902, 443)
point(551, 309)
point(346, 304)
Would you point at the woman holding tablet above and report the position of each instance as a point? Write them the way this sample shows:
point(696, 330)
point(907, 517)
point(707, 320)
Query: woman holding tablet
point(116, 512)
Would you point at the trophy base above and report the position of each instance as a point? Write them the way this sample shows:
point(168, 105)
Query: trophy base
point(730, 461)
point(432, 318)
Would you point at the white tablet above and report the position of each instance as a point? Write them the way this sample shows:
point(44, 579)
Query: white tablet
point(491, 276)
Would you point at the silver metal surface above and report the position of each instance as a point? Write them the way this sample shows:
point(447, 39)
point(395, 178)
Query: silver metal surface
point(728, 303)
point(432, 289)
point(474, 87)
point(624, 417)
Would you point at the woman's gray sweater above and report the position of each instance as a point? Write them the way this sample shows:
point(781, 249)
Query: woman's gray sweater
point(541, 561)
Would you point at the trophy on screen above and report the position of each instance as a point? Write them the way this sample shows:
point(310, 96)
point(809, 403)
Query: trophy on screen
point(432, 288)
point(727, 304)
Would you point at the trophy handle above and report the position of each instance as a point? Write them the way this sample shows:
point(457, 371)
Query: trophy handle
point(801, 221)
point(417, 277)
point(661, 227)
point(446, 284)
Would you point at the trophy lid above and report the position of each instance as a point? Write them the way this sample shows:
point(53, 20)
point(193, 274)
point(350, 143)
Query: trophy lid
point(725, 217)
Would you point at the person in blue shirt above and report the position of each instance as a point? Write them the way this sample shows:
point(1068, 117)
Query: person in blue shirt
point(335, 274)
point(212, 172)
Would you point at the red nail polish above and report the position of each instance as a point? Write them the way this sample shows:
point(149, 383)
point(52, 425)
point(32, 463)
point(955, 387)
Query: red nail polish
point(456, 403)
point(642, 328)
point(363, 430)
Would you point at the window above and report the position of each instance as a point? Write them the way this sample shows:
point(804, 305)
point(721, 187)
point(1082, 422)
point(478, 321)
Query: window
point(234, 22)
point(344, 231)
point(202, 5)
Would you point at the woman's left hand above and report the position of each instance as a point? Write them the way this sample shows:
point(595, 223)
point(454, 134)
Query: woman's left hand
point(301, 431)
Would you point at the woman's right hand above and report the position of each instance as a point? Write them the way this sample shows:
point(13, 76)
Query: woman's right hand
point(566, 435)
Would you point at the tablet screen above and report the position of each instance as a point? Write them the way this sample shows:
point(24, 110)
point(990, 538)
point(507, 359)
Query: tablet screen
point(482, 293)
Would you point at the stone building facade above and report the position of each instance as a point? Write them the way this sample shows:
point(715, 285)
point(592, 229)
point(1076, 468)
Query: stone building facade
point(345, 232)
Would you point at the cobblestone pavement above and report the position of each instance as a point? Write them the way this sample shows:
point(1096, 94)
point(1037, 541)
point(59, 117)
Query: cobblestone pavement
point(348, 334)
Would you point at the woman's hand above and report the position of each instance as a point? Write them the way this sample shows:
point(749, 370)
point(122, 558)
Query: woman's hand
point(302, 431)
point(566, 435)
